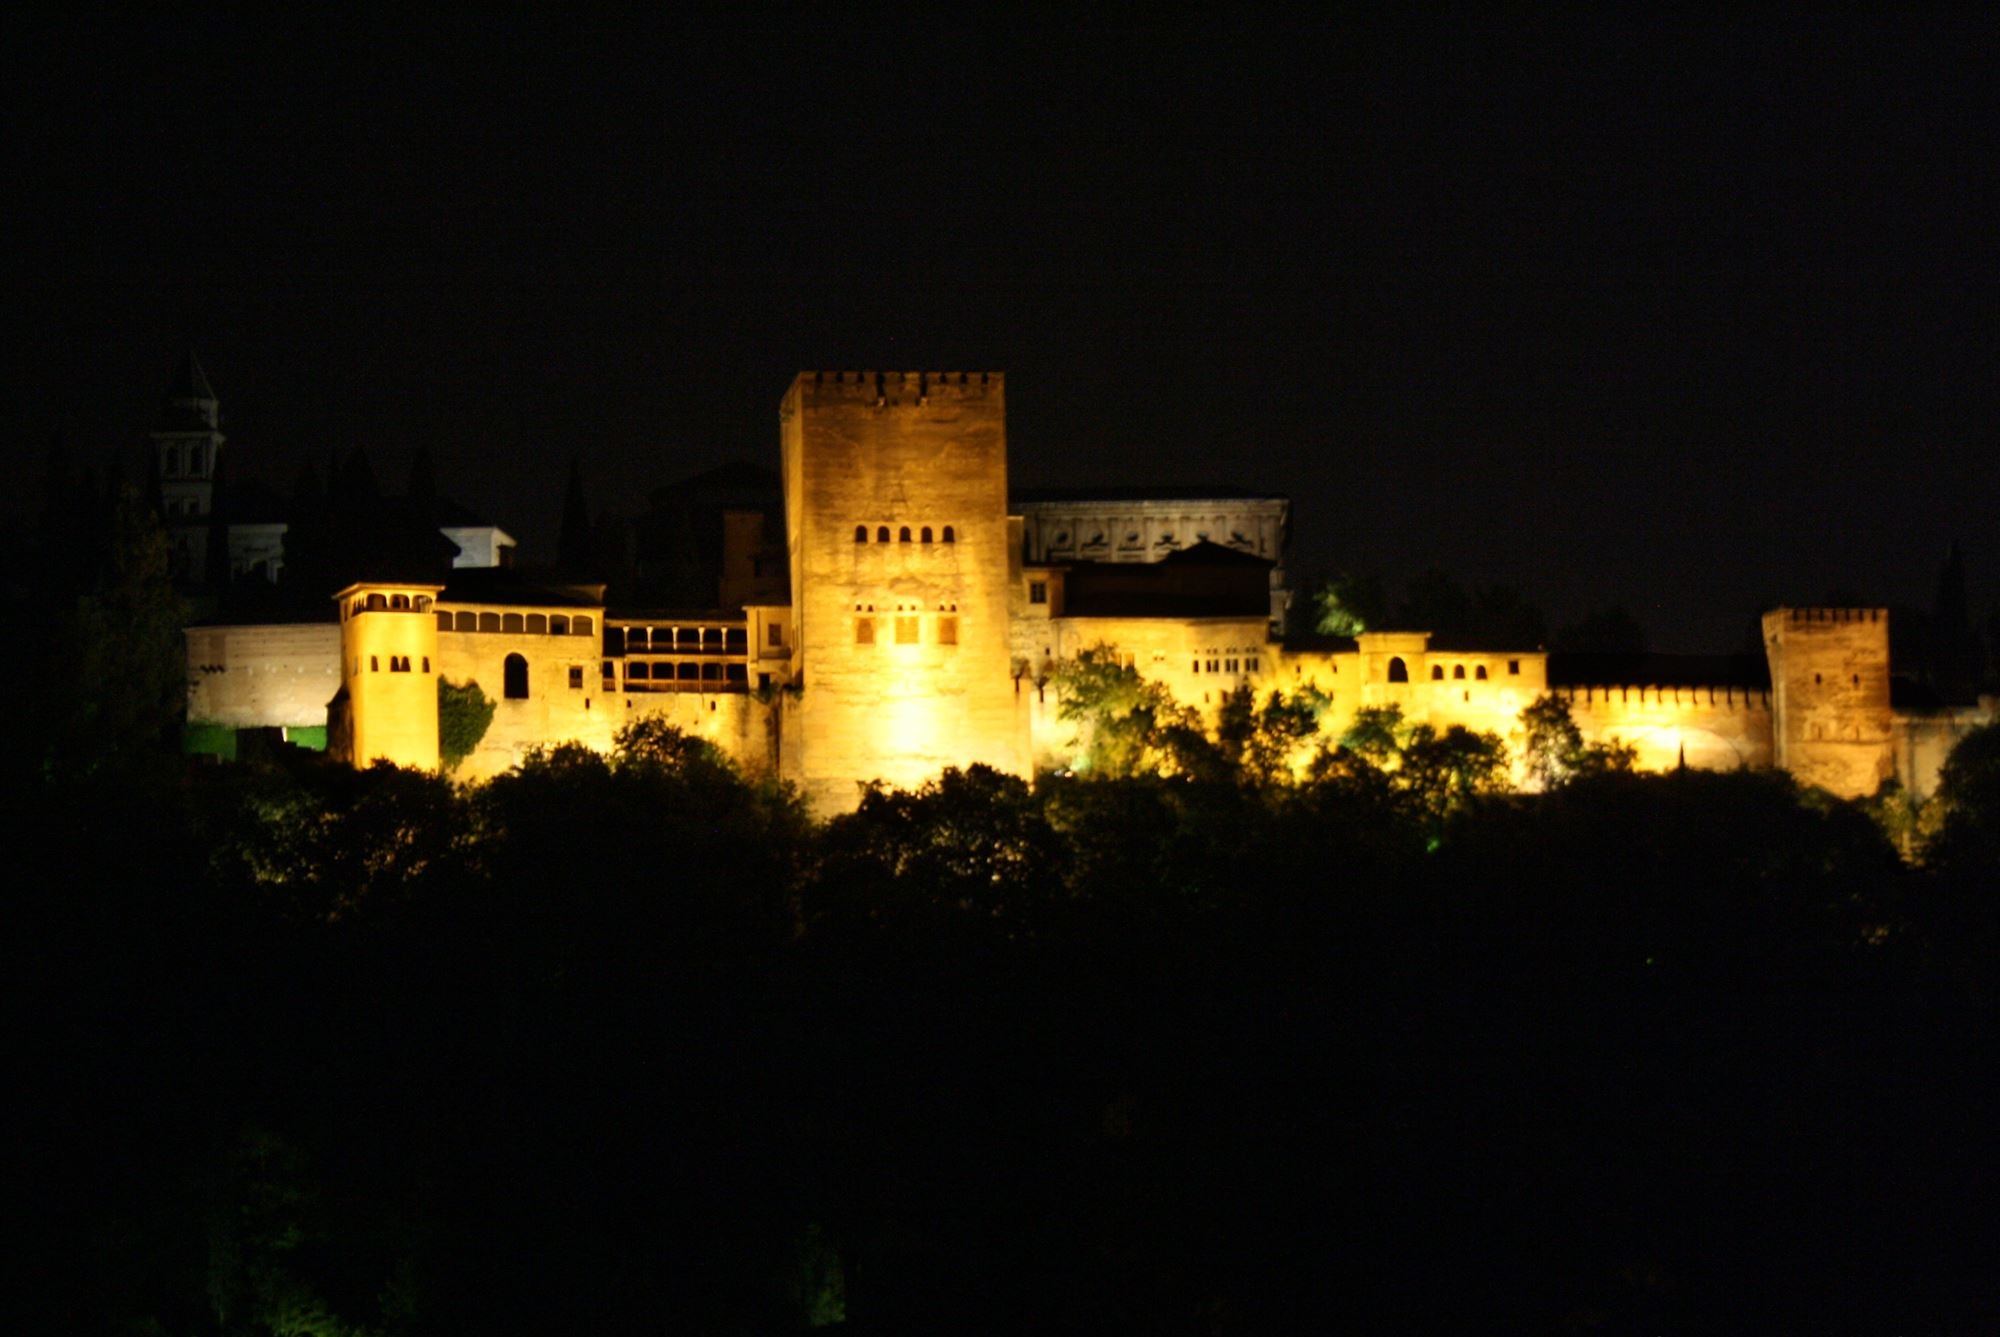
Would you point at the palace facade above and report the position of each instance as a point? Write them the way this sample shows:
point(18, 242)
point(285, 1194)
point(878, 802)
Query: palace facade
point(919, 610)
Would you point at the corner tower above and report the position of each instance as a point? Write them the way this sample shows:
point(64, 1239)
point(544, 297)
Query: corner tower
point(896, 523)
point(1830, 696)
point(387, 707)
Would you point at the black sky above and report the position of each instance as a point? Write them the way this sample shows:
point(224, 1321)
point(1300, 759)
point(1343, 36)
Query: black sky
point(1685, 317)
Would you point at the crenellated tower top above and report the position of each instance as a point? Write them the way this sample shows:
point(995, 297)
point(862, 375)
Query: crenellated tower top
point(887, 388)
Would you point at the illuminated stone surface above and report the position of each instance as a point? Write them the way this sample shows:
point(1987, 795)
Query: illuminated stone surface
point(922, 634)
point(902, 655)
point(389, 660)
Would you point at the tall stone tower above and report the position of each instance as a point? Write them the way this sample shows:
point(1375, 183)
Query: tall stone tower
point(186, 449)
point(387, 707)
point(1830, 696)
point(896, 520)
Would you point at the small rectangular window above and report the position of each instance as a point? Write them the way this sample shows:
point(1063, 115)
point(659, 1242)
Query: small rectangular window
point(864, 631)
point(906, 631)
point(1038, 591)
point(576, 679)
point(947, 631)
point(1514, 667)
point(773, 634)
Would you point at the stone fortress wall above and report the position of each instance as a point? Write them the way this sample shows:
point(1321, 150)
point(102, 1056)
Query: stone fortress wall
point(275, 676)
point(897, 530)
point(1724, 728)
point(925, 627)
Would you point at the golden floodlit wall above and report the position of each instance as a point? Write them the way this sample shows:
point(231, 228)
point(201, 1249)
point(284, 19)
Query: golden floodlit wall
point(389, 652)
point(919, 637)
point(1482, 690)
point(1707, 728)
point(896, 524)
point(542, 668)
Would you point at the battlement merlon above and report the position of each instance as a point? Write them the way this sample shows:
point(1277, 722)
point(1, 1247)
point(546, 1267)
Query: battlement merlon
point(886, 388)
point(1809, 617)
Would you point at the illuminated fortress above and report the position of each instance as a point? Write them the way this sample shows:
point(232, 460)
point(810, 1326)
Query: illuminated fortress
point(923, 619)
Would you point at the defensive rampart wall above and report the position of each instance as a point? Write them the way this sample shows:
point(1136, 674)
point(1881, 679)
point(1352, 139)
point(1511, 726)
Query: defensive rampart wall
point(1708, 728)
point(251, 677)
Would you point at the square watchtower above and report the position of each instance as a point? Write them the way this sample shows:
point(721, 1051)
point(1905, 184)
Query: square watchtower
point(896, 525)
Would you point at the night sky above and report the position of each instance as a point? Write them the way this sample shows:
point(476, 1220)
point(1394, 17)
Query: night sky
point(1688, 318)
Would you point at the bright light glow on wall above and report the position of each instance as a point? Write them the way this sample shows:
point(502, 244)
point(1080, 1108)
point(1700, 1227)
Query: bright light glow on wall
point(910, 722)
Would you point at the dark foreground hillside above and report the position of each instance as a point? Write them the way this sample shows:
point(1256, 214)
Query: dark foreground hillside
point(634, 1048)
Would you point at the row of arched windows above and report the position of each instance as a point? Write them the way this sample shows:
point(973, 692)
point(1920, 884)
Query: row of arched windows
point(907, 630)
point(684, 640)
point(379, 602)
point(1400, 672)
point(922, 534)
point(397, 664)
point(530, 624)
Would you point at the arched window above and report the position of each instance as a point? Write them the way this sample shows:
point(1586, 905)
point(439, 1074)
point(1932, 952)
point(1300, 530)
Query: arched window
point(861, 533)
point(1458, 672)
point(635, 638)
point(376, 603)
point(399, 602)
point(581, 626)
point(1437, 673)
point(514, 678)
point(444, 621)
point(538, 624)
point(1398, 670)
point(465, 622)
point(427, 663)
point(512, 623)
point(558, 624)
point(637, 670)
point(687, 672)
point(489, 622)
point(925, 536)
point(423, 603)
point(374, 664)
point(903, 534)
point(882, 534)
point(1480, 673)
point(949, 537)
